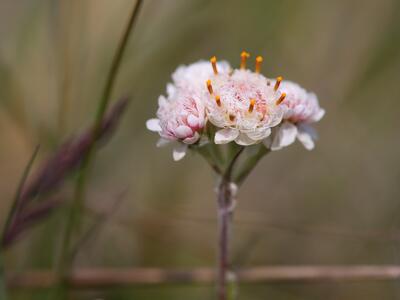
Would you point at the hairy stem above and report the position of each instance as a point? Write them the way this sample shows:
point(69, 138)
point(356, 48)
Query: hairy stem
point(224, 218)
point(225, 200)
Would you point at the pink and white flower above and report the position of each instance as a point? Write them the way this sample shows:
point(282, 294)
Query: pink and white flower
point(244, 105)
point(181, 116)
point(302, 109)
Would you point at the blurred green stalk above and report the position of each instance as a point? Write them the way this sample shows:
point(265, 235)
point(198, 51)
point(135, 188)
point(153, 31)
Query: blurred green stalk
point(101, 110)
point(3, 290)
point(16, 205)
point(75, 211)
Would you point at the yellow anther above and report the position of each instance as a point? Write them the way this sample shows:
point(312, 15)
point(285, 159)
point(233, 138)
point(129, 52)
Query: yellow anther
point(231, 117)
point(251, 106)
point(259, 60)
point(218, 100)
point(209, 87)
point(281, 98)
point(213, 61)
point(278, 83)
point(243, 57)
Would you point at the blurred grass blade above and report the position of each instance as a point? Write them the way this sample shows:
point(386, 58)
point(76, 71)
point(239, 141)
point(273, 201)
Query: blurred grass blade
point(26, 219)
point(52, 174)
point(103, 104)
point(70, 155)
point(17, 202)
point(102, 219)
point(3, 290)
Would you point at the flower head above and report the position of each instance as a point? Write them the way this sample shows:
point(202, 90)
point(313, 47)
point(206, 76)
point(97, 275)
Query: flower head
point(244, 104)
point(302, 109)
point(181, 115)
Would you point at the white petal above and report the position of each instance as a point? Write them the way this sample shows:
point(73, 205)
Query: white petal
point(183, 132)
point(259, 134)
point(306, 135)
point(244, 140)
point(179, 152)
point(162, 101)
point(225, 135)
point(171, 89)
point(153, 125)
point(318, 116)
point(285, 136)
point(162, 142)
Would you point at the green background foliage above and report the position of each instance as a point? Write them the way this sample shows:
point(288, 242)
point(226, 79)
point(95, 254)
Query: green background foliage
point(338, 204)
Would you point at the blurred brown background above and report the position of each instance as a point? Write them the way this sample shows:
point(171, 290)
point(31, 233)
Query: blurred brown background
point(339, 204)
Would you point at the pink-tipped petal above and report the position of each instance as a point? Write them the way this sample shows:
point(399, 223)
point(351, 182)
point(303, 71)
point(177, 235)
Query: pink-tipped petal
point(193, 121)
point(183, 132)
point(193, 139)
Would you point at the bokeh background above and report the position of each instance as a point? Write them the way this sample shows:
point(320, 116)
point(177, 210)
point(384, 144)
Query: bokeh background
point(339, 204)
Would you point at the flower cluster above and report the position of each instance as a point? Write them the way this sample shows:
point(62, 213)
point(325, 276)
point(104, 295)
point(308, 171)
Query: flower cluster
point(244, 106)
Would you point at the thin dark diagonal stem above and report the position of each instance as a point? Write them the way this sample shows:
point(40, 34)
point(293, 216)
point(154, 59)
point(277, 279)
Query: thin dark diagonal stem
point(18, 203)
point(103, 105)
point(102, 219)
point(229, 170)
point(11, 218)
point(250, 164)
point(77, 205)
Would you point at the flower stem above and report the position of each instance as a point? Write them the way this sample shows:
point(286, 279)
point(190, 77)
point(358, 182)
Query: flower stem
point(225, 201)
point(224, 217)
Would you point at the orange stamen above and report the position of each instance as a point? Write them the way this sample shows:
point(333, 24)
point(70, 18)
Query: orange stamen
point(251, 106)
point(243, 57)
point(218, 100)
point(278, 83)
point(281, 98)
point(259, 60)
point(213, 61)
point(231, 117)
point(209, 87)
